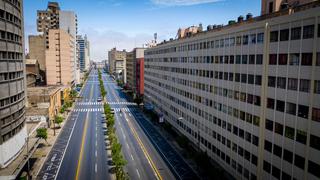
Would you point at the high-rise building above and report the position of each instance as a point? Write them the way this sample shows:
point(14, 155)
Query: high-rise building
point(117, 63)
point(68, 22)
point(248, 93)
point(54, 18)
point(48, 19)
point(13, 132)
point(84, 52)
point(60, 58)
point(135, 70)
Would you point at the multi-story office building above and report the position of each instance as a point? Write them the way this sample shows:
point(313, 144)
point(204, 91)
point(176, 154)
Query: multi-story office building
point(117, 63)
point(84, 52)
point(135, 70)
point(12, 81)
point(247, 93)
point(60, 58)
point(55, 18)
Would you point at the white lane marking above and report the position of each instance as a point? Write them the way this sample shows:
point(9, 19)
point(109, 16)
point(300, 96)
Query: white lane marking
point(132, 157)
point(127, 145)
point(124, 136)
point(96, 168)
point(129, 114)
point(96, 153)
point(96, 143)
point(138, 173)
point(120, 115)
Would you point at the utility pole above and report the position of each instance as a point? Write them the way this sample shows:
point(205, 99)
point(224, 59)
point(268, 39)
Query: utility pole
point(27, 156)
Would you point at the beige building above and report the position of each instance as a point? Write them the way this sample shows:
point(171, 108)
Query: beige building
point(247, 93)
point(48, 19)
point(60, 60)
point(32, 72)
point(117, 63)
point(44, 99)
point(37, 47)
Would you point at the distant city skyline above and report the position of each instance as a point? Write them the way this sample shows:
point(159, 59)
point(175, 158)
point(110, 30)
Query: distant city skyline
point(127, 24)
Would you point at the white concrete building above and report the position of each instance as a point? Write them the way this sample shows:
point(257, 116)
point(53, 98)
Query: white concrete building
point(247, 93)
point(68, 22)
point(13, 132)
point(84, 52)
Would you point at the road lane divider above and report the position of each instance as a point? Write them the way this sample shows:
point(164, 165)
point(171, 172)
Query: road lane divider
point(144, 150)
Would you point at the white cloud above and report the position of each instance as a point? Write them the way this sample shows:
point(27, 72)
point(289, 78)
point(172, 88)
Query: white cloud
point(182, 2)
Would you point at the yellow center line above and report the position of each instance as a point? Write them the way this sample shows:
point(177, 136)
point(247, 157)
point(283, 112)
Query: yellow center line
point(83, 139)
point(145, 152)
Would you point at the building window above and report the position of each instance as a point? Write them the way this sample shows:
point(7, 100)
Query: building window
point(252, 39)
point(270, 103)
point(238, 40)
point(296, 33)
point(280, 106)
point(251, 59)
point(292, 84)
point(289, 132)
point(308, 31)
point(268, 146)
point(284, 35)
point(273, 59)
point(315, 142)
point(294, 59)
point(306, 59)
point(277, 150)
point(244, 59)
point(299, 161)
point(318, 58)
point(267, 167)
point(260, 37)
point(274, 36)
point(316, 114)
point(304, 85)
point(291, 108)
point(301, 136)
point(278, 128)
point(317, 87)
point(287, 155)
point(269, 124)
point(276, 172)
point(270, 7)
point(245, 40)
point(281, 82)
point(303, 111)
point(272, 81)
point(313, 168)
point(283, 58)
point(260, 57)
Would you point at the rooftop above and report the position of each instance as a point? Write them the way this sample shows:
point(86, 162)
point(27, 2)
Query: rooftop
point(43, 90)
point(31, 61)
point(249, 19)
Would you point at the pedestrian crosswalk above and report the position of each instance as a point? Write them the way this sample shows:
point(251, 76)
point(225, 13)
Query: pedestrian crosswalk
point(88, 110)
point(122, 109)
point(101, 103)
point(89, 103)
point(126, 103)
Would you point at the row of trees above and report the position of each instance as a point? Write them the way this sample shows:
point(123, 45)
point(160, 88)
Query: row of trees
point(116, 154)
point(102, 90)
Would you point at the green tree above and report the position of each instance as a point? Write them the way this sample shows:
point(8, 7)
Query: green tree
point(58, 119)
point(42, 134)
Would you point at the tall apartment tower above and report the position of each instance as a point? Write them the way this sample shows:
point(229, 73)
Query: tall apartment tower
point(68, 22)
point(60, 58)
point(54, 18)
point(117, 63)
point(84, 52)
point(48, 19)
point(247, 94)
point(12, 81)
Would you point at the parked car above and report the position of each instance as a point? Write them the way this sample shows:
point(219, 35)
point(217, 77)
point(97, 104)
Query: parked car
point(99, 99)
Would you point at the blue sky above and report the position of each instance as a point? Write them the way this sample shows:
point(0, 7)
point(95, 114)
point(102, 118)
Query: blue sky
point(126, 24)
